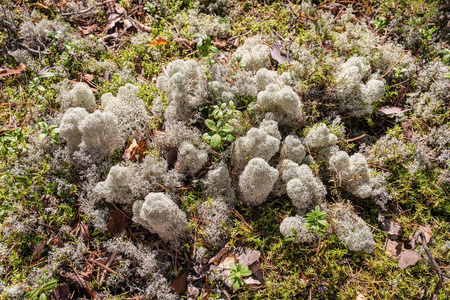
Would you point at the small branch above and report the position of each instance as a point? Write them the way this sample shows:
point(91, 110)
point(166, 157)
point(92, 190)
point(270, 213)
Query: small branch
point(440, 283)
point(78, 12)
point(238, 36)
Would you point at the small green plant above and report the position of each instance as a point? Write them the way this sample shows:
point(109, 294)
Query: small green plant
point(12, 142)
point(204, 45)
point(379, 23)
point(399, 72)
point(446, 57)
point(42, 291)
point(220, 20)
point(53, 35)
point(48, 131)
point(291, 237)
point(36, 82)
point(238, 61)
point(222, 128)
point(237, 273)
point(315, 221)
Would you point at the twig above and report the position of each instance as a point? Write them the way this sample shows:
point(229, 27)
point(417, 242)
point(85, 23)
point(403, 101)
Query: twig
point(108, 264)
point(398, 61)
point(439, 285)
point(78, 12)
point(238, 36)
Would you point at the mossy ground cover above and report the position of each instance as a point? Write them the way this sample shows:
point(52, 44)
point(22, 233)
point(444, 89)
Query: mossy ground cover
point(39, 214)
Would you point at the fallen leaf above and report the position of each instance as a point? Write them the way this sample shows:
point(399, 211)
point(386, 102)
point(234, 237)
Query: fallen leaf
point(390, 110)
point(279, 54)
point(426, 231)
point(227, 259)
point(170, 153)
point(252, 282)
point(408, 258)
point(393, 229)
point(408, 129)
point(7, 72)
point(336, 8)
point(179, 285)
point(56, 241)
point(84, 232)
point(117, 222)
point(248, 257)
point(220, 44)
point(393, 248)
point(88, 29)
point(216, 258)
point(37, 252)
point(185, 44)
point(79, 282)
point(159, 41)
point(256, 270)
point(62, 292)
point(361, 297)
point(136, 150)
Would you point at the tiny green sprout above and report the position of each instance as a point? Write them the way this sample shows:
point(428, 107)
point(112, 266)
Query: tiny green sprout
point(48, 131)
point(238, 61)
point(315, 221)
point(399, 72)
point(225, 19)
point(446, 57)
point(237, 273)
point(291, 237)
point(379, 23)
point(42, 291)
point(447, 75)
point(204, 44)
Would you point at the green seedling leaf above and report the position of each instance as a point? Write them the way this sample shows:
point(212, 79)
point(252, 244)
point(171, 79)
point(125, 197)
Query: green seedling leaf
point(210, 124)
point(227, 128)
point(216, 140)
point(447, 75)
point(41, 137)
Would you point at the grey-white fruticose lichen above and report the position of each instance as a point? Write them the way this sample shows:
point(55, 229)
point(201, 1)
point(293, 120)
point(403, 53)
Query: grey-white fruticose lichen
point(97, 132)
point(129, 110)
point(283, 103)
point(256, 181)
point(159, 214)
point(115, 188)
point(295, 224)
point(190, 159)
point(353, 173)
point(256, 143)
point(351, 229)
point(217, 182)
point(79, 96)
point(254, 54)
point(303, 188)
point(293, 149)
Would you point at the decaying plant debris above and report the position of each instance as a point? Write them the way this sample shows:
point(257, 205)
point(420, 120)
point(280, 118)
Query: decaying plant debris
point(149, 149)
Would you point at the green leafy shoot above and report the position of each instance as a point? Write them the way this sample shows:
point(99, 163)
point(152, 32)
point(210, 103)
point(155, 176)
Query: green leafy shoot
point(205, 45)
point(315, 221)
point(291, 237)
point(48, 131)
point(42, 291)
point(238, 272)
point(379, 23)
point(222, 128)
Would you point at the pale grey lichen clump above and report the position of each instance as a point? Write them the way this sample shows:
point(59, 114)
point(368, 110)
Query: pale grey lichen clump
point(354, 96)
point(184, 88)
point(191, 159)
point(353, 173)
point(256, 143)
point(91, 133)
point(254, 53)
point(295, 224)
point(283, 103)
point(217, 182)
point(351, 229)
point(130, 111)
point(115, 188)
point(79, 96)
point(159, 214)
point(294, 149)
point(256, 182)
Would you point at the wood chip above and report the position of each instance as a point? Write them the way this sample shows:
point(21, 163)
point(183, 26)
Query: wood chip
point(408, 130)
point(227, 259)
point(390, 110)
point(393, 247)
point(392, 228)
point(117, 222)
point(248, 257)
point(415, 238)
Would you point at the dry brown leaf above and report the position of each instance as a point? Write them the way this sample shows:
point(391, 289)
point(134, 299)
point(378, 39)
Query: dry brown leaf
point(216, 258)
point(393, 229)
point(79, 282)
point(87, 29)
point(7, 72)
point(220, 44)
point(408, 258)
point(390, 110)
point(416, 238)
point(159, 41)
point(185, 44)
point(56, 241)
point(279, 54)
point(37, 252)
point(117, 222)
point(248, 257)
point(179, 285)
point(227, 259)
point(361, 297)
point(62, 292)
point(408, 129)
point(393, 248)
point(84, 232)
point(128, 152)
point(136, 150)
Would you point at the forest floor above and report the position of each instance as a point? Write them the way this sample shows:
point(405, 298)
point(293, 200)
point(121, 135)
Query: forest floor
point(380, 224)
